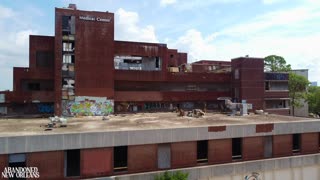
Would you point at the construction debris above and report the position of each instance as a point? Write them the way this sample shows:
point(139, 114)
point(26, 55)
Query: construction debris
point(56, 122)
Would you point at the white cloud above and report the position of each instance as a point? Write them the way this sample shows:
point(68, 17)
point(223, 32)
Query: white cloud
point(127, 28)
point(196, 4)
point(5, 12)
point(268, 2)
point(14, 44)
point(197, 46)
point(287, 33)
point(167, 2)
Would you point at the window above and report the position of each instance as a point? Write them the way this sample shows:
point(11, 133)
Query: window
point(202, 151)
point(236, 74)
point(268, 147)
point(171, 55)
point(68, 58)
point(296, 143)
point(236, 148)
point(164, 156)
point(120, 158)
point(267, 86)
point(34, 86)
point(44, 59)
point(157, 62)
point(72, 162)
point(17, 160)
point(67, 47)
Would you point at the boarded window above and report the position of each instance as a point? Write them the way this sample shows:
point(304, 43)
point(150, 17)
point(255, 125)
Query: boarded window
point(120, 158)
point(72, 162)
point(164, 156)
point(268, 146)
point(44, 59)
point(202, 151)
point(236, 148)
point(296, 143)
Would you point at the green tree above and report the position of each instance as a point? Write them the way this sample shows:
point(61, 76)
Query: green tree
point(172, 176)
point(297, 90)
point(274, 63)
point(314, 99)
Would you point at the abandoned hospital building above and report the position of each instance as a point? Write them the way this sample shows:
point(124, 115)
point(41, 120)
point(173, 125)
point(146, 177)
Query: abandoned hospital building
point(83, 74)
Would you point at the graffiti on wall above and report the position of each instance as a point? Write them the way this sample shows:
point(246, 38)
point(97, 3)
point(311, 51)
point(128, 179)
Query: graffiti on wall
point(89, 106)
point(45, 108)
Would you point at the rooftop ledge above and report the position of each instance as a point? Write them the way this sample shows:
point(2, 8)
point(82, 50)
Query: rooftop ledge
point(138, 121)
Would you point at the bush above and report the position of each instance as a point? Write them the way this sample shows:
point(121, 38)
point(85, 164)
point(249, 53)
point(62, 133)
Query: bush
point(172, 176)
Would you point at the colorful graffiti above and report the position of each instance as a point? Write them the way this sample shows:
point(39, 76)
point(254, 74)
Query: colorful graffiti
point(90, 107)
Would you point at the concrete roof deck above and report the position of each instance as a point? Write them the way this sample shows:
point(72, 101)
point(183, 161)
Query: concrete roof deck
point(138, 121)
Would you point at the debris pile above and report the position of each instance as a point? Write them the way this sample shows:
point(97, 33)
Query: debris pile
point(56, 122)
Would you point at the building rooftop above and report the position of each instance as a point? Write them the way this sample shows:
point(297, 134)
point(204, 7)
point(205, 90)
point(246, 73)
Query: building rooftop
point(139, 121)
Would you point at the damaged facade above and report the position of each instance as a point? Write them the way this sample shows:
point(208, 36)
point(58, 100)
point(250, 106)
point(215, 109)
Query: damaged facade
point(84, 60)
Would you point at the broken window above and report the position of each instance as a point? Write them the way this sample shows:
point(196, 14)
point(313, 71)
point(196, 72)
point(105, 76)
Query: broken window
point(44, 59)
point(137, 63)
point(68, 24)
point(202, 151)
point(72, 162)
point(296, 143)
point(120, 158)
point(67, 47)
point(68, 58)
point(236, 148)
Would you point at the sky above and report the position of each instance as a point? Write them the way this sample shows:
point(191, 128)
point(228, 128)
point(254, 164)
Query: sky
point(205, 29)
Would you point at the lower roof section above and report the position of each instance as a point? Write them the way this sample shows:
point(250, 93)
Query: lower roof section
point(28, 135)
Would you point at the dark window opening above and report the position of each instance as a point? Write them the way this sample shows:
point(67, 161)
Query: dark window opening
point(296, 143)
point(44, 59)
point(17, 160)
point(72, 162)
point(120, 158)
point(66, 23)
point(132, 61)
point(236, 148)
point(202, 151)
point(34, 86)
point(267, 86)
point(171, 56)
point(157, 62)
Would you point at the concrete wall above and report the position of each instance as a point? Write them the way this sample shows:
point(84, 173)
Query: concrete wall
point(53, 142)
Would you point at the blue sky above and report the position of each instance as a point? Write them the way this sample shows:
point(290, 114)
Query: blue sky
point(210, 29)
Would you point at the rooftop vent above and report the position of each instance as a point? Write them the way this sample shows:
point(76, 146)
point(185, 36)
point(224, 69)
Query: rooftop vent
point(72, 6)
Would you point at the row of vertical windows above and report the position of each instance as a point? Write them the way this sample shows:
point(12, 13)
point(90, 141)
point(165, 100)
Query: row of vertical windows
point(120, 155)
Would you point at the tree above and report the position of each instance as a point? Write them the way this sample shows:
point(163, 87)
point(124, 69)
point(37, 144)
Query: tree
point(172, 176)
point(274, 63)
point(297, 90)
point(314, 99)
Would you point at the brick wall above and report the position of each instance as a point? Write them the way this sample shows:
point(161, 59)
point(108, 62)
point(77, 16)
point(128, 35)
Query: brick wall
point(3, 162)
point(282, 145)
point(142, 158)
point(309, 143)
point(252, 148)
point(50, 164)
point(220, 151)
point(96, 162)
point(183, 154)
